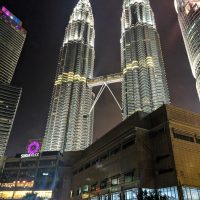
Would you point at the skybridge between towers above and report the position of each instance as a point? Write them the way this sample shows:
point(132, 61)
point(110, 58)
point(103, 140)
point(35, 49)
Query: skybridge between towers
point(104, 82)
point(101, 80)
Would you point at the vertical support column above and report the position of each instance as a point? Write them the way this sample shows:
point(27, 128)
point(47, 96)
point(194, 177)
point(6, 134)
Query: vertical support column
point(180, 192)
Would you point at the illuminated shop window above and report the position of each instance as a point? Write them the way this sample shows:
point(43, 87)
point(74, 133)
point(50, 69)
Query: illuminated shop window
point(20, 194)
point(104, 197)
point(94, 198)
point(115, 196)
point(170, 192)
point(44, 194)
point(191, 193)
point(131, 194)
point(6, 194)
point(85, 196)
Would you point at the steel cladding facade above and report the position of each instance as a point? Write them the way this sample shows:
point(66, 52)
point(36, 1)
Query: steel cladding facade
point(189, 20)
point(70, 126)
point(12, 37)
point(9, 99)
point(144, 85)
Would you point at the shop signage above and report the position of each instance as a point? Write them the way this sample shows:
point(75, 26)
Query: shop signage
point(29, 155)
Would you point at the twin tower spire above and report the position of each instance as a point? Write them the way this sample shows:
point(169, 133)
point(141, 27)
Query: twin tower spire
point(144, 86)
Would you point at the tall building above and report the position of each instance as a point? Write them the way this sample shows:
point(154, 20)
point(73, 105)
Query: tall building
point(189, 20)
point(9, 99)
point(144, 85)
point(69, 126)
point(12, 37)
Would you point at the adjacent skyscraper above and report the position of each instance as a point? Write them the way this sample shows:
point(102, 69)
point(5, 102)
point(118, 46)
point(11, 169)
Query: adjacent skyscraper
point(144, 86)
point(70, 126)
point(189, 20)
point(9, 99)
point(12, 37)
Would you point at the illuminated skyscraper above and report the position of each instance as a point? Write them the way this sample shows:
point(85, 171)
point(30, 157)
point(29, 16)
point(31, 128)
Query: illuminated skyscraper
point(12, 37)
point(144, 85)
point(9, 99)
point(189, 20)
point(70, 126)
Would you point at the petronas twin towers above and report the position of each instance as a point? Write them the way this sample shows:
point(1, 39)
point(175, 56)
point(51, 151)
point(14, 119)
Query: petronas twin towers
point(144, 86)
point(69, 125)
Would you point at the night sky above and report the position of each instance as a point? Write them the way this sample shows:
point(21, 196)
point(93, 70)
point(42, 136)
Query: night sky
point(45, 21)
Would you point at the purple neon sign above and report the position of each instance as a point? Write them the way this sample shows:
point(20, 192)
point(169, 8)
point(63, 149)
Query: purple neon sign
point(34, 147)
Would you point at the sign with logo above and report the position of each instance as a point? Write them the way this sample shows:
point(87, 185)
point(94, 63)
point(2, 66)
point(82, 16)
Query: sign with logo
point(34, 147)
point(29, 155)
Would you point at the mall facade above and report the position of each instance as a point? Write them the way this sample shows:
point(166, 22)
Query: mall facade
point(155, 151)
point(40, 173)
point(145, 152)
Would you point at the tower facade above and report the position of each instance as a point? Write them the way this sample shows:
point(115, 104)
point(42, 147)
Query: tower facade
point(144, 85)
point(9, 100)
point(189, 20)
point(69, 126)
point(12, 37)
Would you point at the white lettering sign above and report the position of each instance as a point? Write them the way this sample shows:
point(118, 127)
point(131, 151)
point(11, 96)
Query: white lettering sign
point(29, 155)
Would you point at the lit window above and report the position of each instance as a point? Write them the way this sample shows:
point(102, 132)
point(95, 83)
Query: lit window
point(115, 181)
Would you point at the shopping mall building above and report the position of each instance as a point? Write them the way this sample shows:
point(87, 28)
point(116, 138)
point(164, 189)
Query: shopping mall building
point(145, 152)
